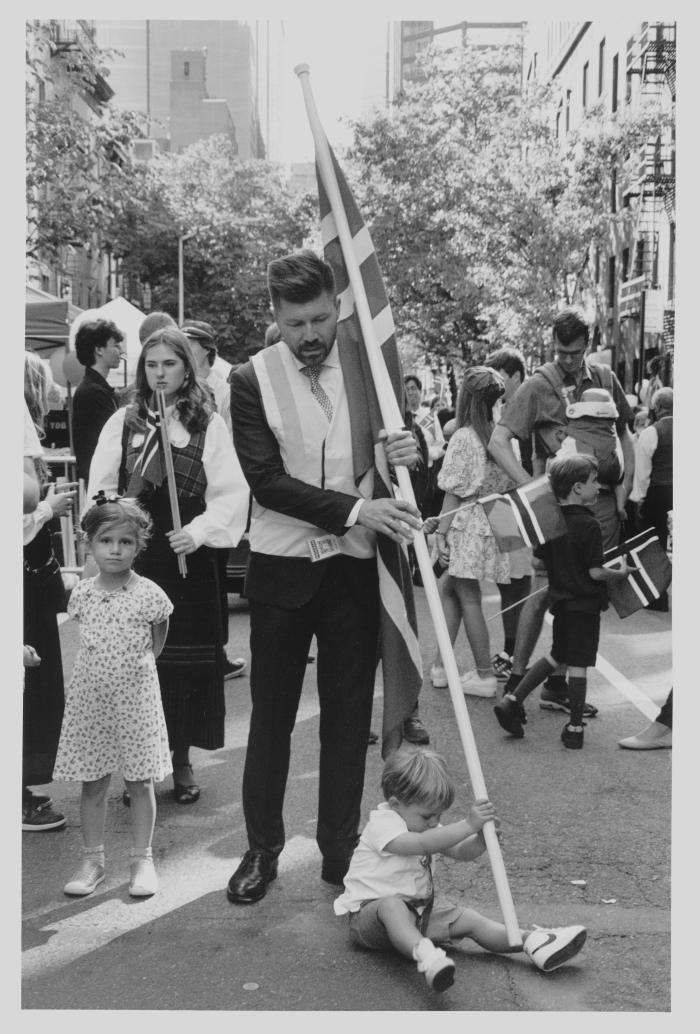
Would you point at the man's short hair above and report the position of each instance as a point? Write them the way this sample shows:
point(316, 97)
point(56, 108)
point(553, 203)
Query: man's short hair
point(662, 401)
point(411, 378)
point(94, 334)
point(569, 325)
point(299, 278)
point(153, 322)
point(568, 471)
point(508, 359)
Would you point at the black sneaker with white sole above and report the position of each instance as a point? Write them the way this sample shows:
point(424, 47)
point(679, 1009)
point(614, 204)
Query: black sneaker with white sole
point(41, 819)
point(553, 702)
point(511, 716)
point(502, 664)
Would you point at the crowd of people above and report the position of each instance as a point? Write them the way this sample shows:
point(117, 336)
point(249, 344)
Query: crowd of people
point(182, 463)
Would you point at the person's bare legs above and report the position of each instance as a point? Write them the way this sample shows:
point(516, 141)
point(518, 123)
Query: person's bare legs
point(452, 612)
point(468, 593)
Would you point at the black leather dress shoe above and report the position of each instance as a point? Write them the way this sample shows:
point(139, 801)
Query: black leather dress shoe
point(414, 731)
point(249, 881)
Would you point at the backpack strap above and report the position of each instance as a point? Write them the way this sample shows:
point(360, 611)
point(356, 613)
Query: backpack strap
point(551, 374)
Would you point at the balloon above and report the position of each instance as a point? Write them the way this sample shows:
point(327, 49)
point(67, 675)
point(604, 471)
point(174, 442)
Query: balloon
point(73, 371)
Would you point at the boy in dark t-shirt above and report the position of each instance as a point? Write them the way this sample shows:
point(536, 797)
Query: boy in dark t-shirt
point(577, 593)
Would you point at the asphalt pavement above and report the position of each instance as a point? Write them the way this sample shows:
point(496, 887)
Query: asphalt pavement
point(586, 838)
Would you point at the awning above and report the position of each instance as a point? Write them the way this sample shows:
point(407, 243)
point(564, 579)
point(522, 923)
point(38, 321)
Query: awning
point(47, 319)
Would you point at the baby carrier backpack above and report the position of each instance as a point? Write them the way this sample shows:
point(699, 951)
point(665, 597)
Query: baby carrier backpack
point(590, 421)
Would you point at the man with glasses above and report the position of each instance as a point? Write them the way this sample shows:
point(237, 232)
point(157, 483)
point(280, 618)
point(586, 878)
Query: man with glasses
point(541, 402)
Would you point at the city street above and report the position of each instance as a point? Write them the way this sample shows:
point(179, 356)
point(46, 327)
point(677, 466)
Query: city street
point(586, 839)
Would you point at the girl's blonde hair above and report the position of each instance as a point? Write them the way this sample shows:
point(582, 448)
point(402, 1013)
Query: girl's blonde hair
point(37, 384)
point(110, 513)
point(418, 776)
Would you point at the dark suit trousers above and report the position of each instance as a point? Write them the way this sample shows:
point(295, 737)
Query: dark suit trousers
point(343, 615)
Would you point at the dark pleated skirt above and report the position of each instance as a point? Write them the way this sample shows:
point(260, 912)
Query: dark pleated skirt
point(43, 690)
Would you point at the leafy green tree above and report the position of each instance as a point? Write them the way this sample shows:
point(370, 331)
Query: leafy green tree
point(78, 164)
point(483, 220)
point(235, 216)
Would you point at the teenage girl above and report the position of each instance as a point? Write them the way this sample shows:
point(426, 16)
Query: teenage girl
point(113, 719)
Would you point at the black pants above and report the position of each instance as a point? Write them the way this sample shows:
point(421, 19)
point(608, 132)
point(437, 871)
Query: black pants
point(343, 615)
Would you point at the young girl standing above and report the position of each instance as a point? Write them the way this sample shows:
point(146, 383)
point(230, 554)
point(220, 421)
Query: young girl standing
point(465, 540)
point(113, 719)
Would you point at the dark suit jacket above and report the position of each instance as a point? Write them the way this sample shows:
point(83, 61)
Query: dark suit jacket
point(93, 404)
point(284, 581)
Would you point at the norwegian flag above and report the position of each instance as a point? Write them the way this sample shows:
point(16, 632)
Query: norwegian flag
point(400, 653)
point(149, 464)
point(641, 587)
point(526, 516)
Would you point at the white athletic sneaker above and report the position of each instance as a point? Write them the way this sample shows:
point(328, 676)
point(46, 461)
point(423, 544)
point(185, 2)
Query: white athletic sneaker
point(474, 685)
point(144, 881)
point(439, 970)
point(89, 874)
point(551, 948)
point(438, 676)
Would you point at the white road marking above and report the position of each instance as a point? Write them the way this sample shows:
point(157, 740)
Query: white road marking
point(108, 919)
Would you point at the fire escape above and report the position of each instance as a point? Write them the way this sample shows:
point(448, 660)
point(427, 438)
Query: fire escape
point(652, 57)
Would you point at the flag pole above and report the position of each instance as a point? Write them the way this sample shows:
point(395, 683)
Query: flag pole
point(392, 419)
point(170, 471)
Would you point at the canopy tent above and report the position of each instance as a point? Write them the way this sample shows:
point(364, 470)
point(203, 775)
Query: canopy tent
point(47, 319)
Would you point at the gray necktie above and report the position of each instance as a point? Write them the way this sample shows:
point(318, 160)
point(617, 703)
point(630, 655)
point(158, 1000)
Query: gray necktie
point(313, 373)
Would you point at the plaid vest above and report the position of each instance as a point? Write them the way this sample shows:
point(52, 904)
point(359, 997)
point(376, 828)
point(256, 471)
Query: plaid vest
point(190, 478)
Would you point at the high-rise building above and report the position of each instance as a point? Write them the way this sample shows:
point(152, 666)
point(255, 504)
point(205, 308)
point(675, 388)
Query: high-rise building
point(193, 78)
point(622, 65)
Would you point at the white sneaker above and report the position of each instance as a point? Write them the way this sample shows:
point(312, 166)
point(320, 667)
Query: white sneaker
point(144, 881)
point(551, 948)
point(89, 874)
point(474, 685)
point(438, 676)
point(432, 961)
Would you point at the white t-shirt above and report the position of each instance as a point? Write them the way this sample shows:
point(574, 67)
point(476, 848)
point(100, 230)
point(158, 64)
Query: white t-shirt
point(377, 873)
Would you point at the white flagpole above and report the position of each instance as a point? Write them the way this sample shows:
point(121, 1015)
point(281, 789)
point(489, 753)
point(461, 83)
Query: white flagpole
point(393, 421)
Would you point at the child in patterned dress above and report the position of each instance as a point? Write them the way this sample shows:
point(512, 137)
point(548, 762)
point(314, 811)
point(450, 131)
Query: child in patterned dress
point(113, 719)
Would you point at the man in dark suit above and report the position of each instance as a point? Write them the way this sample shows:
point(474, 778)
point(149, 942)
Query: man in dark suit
point(312, 569)
point(98, 348)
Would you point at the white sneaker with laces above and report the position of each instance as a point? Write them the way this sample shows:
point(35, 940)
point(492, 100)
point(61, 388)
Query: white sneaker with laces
point(474, 685)
point(438, 676)
point(144, 881)
point(550, 947)
point(86, 878)
point(439, 970)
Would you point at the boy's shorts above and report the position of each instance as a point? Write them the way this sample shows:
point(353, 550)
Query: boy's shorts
point(367, 931)
point(575, 637)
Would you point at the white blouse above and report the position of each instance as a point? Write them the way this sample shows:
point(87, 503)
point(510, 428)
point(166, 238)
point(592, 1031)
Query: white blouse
point(226, 496)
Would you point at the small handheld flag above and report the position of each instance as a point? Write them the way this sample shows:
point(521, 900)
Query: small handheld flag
point(526, 516)
point(643, 586)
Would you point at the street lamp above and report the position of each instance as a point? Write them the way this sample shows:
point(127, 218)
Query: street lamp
point(180, 277)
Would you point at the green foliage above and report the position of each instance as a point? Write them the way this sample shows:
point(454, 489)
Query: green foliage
point(235, 215)
point(483, 221)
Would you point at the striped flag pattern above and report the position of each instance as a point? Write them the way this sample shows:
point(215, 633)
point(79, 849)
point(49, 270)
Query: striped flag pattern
point(641, 587)
point(149, 464)
point(400, 653)
point(526, 516)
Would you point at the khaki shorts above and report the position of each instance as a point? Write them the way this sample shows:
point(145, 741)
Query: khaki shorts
point(368, 931)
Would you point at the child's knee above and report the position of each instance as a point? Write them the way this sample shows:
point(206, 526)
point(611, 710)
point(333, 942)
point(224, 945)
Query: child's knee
point(392, 907)
point(139, 787)
point(96, 789)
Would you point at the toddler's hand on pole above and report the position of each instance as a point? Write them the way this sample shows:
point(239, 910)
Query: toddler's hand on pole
point(480, 813)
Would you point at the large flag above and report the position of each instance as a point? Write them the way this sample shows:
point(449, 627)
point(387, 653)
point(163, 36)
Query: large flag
point(526, 516)
point(399, 649)
point(641, 587)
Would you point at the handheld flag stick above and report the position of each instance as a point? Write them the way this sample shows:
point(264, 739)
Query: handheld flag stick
point(170, 471)
point(393, 421)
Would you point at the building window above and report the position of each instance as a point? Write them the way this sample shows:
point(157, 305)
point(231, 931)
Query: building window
point(601, 66)
point(597, 265)
point(615, 64)
point(567, 121)
point(625, 271)
point(187, 69)
point(613, 191)
point(584, 87)
point(639, 257)
point(45, 283)
point(611, 282)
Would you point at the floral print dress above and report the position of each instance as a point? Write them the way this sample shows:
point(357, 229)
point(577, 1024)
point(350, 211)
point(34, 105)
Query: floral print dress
point(113, 719)
point(469, 473)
